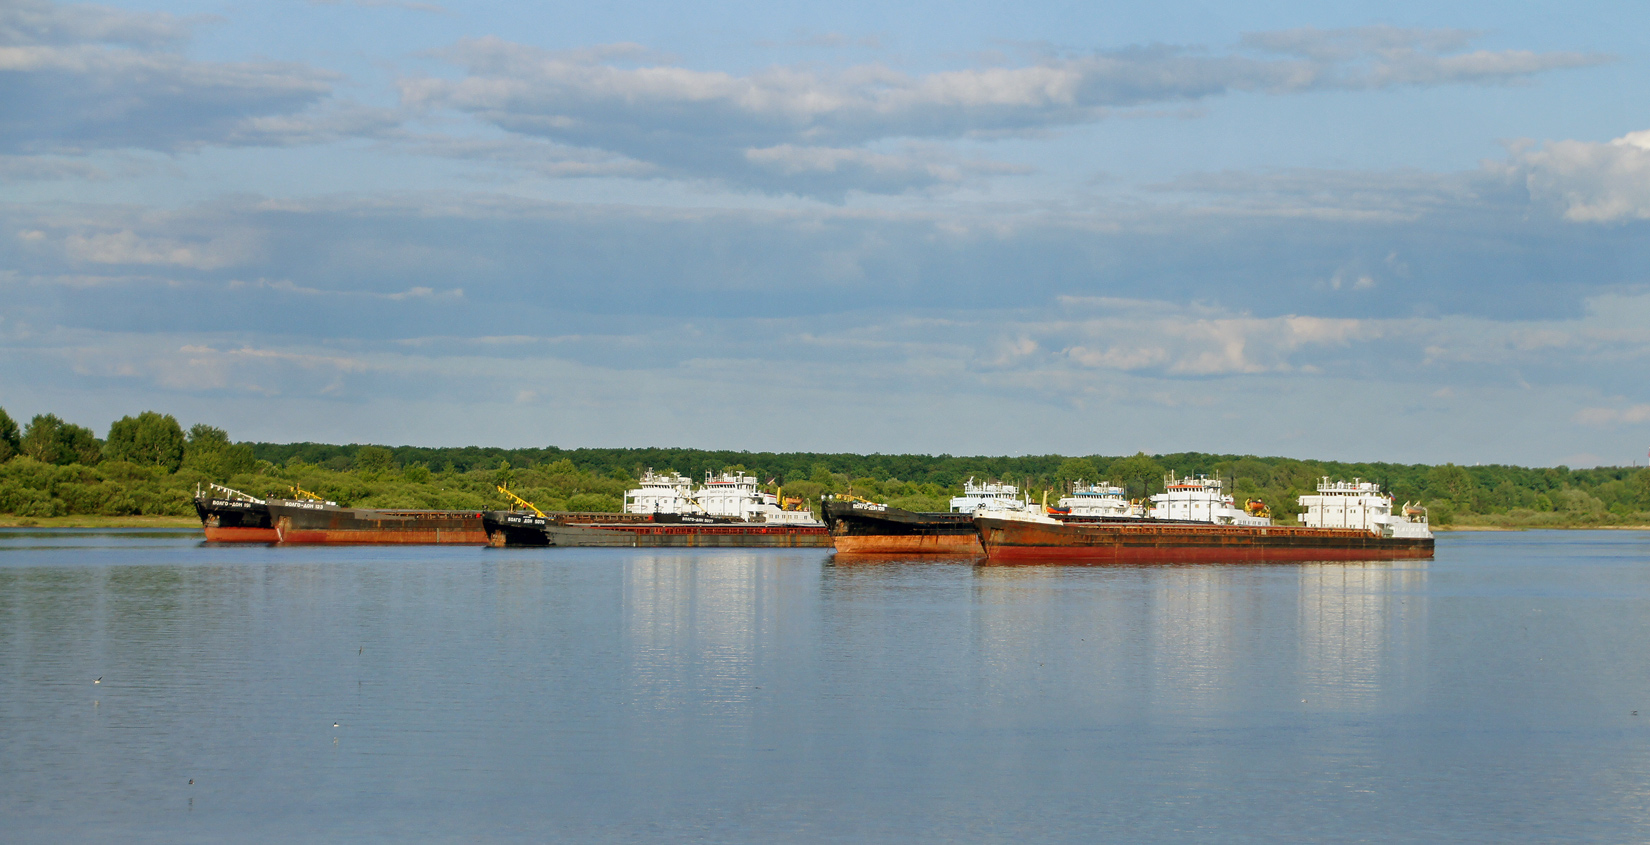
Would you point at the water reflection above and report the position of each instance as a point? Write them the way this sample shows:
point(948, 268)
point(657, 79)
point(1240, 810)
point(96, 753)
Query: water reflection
point(694, 625)
point(1360, 626)
point(1184, 642)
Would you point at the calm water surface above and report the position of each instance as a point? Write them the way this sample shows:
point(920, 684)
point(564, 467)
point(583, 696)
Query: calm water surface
point(618, 695)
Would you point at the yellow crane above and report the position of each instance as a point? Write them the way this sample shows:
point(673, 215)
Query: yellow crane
point(305, 494)
point(520, 501)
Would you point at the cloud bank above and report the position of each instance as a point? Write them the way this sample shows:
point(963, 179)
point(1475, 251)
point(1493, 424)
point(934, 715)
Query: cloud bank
point(807, 130)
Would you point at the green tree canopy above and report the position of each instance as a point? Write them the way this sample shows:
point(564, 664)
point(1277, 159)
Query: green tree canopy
point(374, 459)
point(11, 441)
point(1073, 470)
point(50, 440)
point(1450, 482)
point(203, 436)
point(150, 438)
point(1138, 473)
point(210, 453)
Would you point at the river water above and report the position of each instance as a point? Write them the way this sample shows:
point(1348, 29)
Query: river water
point(616, 695)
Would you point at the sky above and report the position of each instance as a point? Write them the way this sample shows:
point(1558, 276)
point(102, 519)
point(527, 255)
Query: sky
point(1334, 230)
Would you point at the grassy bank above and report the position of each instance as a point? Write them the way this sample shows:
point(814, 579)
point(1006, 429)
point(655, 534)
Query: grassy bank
point(95, 521)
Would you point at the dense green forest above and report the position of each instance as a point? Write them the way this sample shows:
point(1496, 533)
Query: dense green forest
point(149, 464)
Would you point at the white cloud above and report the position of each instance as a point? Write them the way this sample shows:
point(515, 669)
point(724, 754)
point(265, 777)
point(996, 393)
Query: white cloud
point(43, 22)
point(1629, 415)
point(709, 123)
point(556, 161)
point(81, 78)
point(127, 247)
point(1590, 182)
point(47, 168)
point(1146, 337)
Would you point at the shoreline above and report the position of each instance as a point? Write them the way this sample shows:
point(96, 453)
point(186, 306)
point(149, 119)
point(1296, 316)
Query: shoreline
point(94, 521)
point(1441, 528)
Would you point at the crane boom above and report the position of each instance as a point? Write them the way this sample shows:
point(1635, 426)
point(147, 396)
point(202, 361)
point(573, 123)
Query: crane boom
point(520, 501)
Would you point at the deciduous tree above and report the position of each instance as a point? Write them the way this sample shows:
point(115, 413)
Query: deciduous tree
point(50, 440)
point(150, 438)
point(11, 441)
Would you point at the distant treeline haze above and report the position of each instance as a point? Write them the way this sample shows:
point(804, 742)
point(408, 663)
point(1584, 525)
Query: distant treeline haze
point(149, 464)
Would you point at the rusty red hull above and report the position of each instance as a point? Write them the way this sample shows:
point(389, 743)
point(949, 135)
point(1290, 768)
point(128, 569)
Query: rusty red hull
point(908, 544)
point(313, 522)
point(1008, 541)
point(240, 534)
point(868, 528)
point(412, 538)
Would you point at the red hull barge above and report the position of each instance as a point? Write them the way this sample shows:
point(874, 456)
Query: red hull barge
point(316, 522)
point(1144, 541)
point(868, 528)
point(947, 545)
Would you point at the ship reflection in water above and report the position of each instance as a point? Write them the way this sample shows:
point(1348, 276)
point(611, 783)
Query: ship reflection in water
point(696, 628)
point(1182, 643)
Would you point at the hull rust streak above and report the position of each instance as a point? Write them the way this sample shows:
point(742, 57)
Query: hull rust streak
point(305, 522)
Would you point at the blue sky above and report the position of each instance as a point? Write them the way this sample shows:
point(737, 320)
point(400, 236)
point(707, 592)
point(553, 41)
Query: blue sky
point(1340, 230)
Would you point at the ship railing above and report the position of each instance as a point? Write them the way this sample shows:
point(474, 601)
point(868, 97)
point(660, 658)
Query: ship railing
point(229, 493)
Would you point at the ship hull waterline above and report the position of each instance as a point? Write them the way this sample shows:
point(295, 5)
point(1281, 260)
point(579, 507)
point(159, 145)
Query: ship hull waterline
point(235, 521)
point(240, 534)
point(509, 528)
point(689, 536)
point(867, 528)
point(939, 545)
point(1010, 541)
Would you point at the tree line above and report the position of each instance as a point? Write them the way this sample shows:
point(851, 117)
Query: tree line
point(149, 464)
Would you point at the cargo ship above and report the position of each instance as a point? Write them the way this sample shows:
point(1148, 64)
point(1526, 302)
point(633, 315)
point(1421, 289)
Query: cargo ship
point(729, 509)
point(861, 527)
point(230, 516)
point(1343, 521)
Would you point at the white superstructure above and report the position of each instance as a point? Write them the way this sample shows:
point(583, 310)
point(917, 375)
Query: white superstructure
point(1098, 500)
point(991, 495)
point(729, 494)
point(1200, 499)
point(662, 493)
point(1361, 504)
